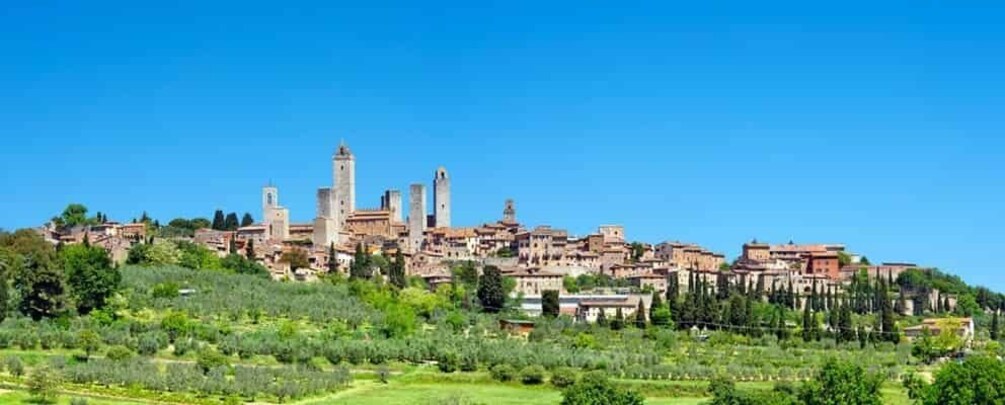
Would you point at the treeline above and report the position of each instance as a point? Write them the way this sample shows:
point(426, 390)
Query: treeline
point(53, 282)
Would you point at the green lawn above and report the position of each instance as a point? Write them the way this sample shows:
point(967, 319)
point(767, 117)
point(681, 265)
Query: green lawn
point(21, 397)
point(373, 393)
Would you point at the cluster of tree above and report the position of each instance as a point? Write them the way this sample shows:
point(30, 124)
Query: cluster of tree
point(181, 227)
point(50, 282)
point(76, 215)
point(837, 383)
point(586, 282)
point(193, 256)
point(975, 380)
point(230, 221)
point(920, 283)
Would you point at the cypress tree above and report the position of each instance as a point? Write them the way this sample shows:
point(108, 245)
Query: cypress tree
point(398, 279)
point(231, 223)
point(994, 326)
point(218, 220)
point(640, 315)
point(656, 304)
point(490, 288)
point(247, 220)
point(602, 318)
point(233, 245)
point(4, 296)
point(862, 337)
point(619, 320)
point(332, 259)
point(807, 323)
point(360, 268)
point(249, 250)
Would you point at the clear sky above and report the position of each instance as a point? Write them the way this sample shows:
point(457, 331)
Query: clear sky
point(874, 124)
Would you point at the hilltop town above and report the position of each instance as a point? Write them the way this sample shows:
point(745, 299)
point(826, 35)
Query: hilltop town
point(538, 258)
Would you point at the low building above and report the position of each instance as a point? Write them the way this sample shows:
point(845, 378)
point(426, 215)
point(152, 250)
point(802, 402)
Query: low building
point(963, 327)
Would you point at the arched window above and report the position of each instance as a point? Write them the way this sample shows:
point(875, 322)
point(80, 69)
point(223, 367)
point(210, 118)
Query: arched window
point(268, 199)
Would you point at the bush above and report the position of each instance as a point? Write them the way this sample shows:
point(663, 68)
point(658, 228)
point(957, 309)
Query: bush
point(594, 388)
point(532, 375)
point(78, 401)
point(119, 353)
point(14, 366)
point(448, 362)
point(210, 359)
point(563, 377)
point(148, 345)
point(43, 384)
point(503, 372)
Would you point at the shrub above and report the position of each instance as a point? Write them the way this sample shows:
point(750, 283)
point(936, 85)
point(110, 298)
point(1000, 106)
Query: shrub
point(563, 377)
point(14, 366)
point(43, 384)
point(503, 372)
point(183, 346)
point(78, 401)
point(118, 353)
point(148, 344)
point(594, 388)
point(210, 359)
point(448, 362)
point(532, 375)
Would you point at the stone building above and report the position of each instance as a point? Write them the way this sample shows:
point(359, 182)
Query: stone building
point(325, 224)
point(441, 198)
point(391, 201)
point(416, 216)
point(509, 212)
point(275, 217)
point(344, 177)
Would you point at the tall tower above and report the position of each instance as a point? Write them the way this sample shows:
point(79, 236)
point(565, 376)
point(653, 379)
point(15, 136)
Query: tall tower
point(509, 212)
point(325, 224)
point(391, 201)
point(441, 198)
point(344, 177)
point(270, 201)
point(274, 216)
point(416, 215)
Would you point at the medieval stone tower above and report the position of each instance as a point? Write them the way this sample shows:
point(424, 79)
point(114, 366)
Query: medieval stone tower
point(391, 201)
point(275, 218)
point(509, 212)
point(441, 198)
point(416, 215)
point(326, 223)
point(344, 177)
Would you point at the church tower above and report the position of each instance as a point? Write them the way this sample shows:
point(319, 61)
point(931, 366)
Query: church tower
point(344, 177)
point(275, 217)
point(441, 198)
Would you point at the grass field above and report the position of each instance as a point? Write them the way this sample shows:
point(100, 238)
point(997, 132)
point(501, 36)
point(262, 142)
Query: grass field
point(372, 393)
point(21, 397)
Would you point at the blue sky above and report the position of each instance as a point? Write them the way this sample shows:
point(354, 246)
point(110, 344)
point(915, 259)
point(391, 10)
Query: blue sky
point(875, 124)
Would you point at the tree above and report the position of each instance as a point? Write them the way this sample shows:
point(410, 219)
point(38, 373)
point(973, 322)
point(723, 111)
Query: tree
point(842, 383)
point(659, 314)
point(231, 223)
point(977, 380)
point(602, 318)
point(91, 276)
point(490, 290)
point(619, 320)
point(595, 389)
point(249, 249)
point(296, 258)
point(994, 326)
point(549, 303)
point(43, 384)
point(397, 274)
point(43, 290)
point(640, 315)
point(332, 259)
point(360, 267)
point(247, 220)
point(4, 295)
point(89, 341)
point(846, 331)
point(219, 223)
point(73, 215)
point(808, 322)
